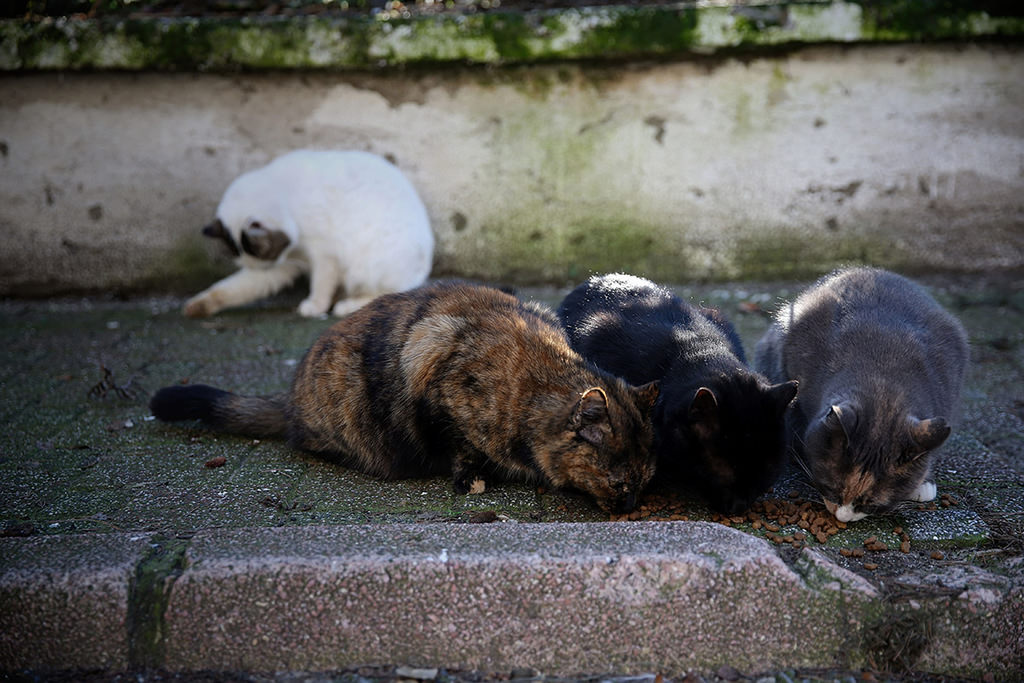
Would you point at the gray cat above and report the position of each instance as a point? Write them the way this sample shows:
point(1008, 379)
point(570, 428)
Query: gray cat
point(880, 366)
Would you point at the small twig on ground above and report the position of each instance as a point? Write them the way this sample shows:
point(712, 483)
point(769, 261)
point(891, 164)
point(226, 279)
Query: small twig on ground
point(108, 384)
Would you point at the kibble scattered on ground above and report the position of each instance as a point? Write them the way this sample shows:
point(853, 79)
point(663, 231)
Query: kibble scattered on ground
point(786, 521)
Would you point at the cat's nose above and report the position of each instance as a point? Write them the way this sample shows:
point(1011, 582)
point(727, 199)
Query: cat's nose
point(627, 502)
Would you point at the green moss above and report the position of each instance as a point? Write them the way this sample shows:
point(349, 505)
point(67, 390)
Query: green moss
point(742, 121)
point(752, 26)
point(748, 30)
point(539, 36)
point(645, 30)
point(777, 85)
point(360, 41)
point(534, 246)
point(939, 19)
point(183, 44)
point(609, 245)
point(148, 599)
point(186, 268)
point(788, 256)
point(510, 34)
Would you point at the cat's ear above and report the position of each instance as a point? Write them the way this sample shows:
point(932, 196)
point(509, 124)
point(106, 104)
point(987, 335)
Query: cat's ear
point(704, 405)
point(264, 243)
point(783, 394)
point(928, 434)
point(590, 416)
point(647, 395)
point(840, 421)
point(216, 230)
point(842, 417)
point(703, 413)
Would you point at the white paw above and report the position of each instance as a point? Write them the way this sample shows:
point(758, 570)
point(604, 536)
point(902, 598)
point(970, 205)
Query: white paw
point(478, 486)
point(925, 492)
point(311, 309)
point(200, 306)
point(346, 306)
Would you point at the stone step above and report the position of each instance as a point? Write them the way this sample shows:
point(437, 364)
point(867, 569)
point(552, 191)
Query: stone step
point(556, 598)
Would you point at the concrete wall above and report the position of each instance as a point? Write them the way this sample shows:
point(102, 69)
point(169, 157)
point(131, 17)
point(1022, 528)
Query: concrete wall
point(908, 156)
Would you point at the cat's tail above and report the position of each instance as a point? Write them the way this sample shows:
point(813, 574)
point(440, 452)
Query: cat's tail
point(256, 416)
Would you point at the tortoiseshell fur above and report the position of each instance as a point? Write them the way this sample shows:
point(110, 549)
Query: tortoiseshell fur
point(451, 378)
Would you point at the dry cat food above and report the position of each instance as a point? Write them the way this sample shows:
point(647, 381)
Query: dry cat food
point(875, 545)
point(655, 508)
point(945, 500)
point(813, 520)
point(771, 516)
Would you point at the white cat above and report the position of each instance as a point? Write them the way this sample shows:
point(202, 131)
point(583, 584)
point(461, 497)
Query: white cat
point(349, 219)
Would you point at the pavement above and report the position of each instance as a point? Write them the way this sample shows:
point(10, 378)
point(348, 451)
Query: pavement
point(134, 547)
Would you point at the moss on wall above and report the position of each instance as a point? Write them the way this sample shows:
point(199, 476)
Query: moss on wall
point(524, 249)
point(187, 268)
point(939, 19)
point(361, 41)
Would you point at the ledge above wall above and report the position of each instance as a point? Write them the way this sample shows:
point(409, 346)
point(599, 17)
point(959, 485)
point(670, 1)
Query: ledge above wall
point(338, 39)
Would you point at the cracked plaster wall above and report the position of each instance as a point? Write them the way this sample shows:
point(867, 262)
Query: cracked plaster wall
point(785, 166)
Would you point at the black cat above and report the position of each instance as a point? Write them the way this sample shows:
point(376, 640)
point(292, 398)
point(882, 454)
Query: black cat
point(719, 427)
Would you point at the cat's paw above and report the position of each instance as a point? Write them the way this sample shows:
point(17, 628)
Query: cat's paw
point(199, 307)
point(471, 486)
point(346, 306)
point(925, 492)
point(311, 309)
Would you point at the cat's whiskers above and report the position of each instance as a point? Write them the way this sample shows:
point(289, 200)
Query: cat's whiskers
point(902, 506)
point(807, 471)
point(800, 461)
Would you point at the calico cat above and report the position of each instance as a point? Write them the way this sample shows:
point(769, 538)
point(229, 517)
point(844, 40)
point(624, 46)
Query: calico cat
point(350, 220)
point(450, 378)
point(880, 366)
point(719, 427)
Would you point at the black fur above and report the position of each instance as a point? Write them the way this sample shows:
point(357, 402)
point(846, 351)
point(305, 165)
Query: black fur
point(264, 243)
point(189, 402)
point(216, 230)
point(719, 426)
point(259, 416)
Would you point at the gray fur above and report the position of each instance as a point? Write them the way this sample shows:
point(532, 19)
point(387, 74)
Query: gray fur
point(880, 366)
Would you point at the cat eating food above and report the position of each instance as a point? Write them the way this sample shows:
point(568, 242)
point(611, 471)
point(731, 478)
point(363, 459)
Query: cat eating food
point(450, 378)
point(348, 219)
point(880, 366)
point(719, 427)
